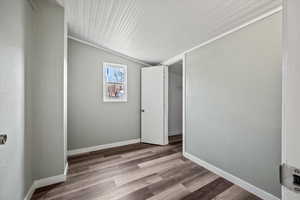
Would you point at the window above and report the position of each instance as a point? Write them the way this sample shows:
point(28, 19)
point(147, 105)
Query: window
point(114, 82)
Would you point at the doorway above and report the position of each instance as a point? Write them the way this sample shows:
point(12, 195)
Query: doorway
point(175, 102)
point(162, 100)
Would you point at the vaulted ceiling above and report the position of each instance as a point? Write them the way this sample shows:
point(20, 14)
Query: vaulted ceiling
point(156, 30)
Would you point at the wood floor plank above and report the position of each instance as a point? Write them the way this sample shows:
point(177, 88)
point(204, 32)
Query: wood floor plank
point(179, 169)
point(136, 153)
point(210, 190)
point(85, 192)
point(133, 186)
point(171, 180)
point(125, 149)
point(176, 192)
point(200, 181)
point(143, 193)
point(111, 162)
point(160, 160)
point(142, 172)
point(94, 160)
point(150, 158)
point(236, 193)
point(102, 174)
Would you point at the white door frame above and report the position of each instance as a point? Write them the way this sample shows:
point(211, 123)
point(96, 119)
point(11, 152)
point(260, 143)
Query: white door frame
point(166, 105)
point(289, 64)
point(183, 102)
point(284, 80)
point(178, 59)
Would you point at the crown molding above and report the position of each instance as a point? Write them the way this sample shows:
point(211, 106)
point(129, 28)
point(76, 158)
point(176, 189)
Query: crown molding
point(108, 50)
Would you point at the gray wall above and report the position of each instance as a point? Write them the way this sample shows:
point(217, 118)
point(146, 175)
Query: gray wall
point(46, 85)
point(15, 40)
point(234, 103)
point(175, 99)
point(90, 121)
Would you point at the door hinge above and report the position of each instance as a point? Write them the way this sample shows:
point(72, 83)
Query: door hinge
point(290, 177)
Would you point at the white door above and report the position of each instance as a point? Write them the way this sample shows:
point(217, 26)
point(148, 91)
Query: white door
point(291, 92)
point(153, 105)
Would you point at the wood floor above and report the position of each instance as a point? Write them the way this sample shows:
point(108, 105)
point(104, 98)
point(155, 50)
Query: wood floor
point(140, 171)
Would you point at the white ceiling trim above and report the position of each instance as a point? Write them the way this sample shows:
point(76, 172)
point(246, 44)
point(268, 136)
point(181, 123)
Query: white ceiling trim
point(108, 50)
point(261, 17)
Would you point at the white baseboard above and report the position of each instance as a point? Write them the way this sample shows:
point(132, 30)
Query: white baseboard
point(30, 192)
point(103, 146)
point(50, 181)
point(175, 132)
point(243, 184)
point(66, 170)
point(46, 181)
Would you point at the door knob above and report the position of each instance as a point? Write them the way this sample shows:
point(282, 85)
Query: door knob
point(142, 110)
point(3, 139)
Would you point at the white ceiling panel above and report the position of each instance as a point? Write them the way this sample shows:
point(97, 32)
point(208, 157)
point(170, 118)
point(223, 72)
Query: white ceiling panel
point(156, 30)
